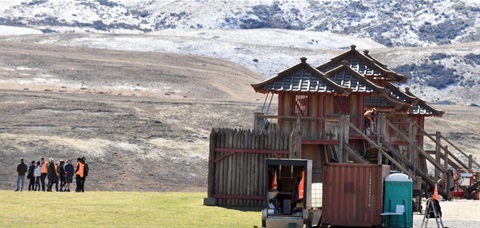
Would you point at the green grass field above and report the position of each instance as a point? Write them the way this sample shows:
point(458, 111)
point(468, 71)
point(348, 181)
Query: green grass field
point(119, 209)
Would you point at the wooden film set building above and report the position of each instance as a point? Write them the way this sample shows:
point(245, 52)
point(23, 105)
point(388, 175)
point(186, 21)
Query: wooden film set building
point(320, 117)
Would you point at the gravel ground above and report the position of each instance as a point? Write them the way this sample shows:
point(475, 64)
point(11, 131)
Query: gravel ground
point(459, 213)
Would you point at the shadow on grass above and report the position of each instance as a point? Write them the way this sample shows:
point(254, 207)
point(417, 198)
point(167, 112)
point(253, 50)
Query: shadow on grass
point(243, 208)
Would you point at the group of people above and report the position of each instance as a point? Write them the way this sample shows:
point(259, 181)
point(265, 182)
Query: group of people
point(58, 173)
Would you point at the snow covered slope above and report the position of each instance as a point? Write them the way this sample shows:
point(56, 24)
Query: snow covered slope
point(389, 22)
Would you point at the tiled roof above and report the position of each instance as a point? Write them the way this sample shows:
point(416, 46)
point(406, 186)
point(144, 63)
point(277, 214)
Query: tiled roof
point(385, 101)
point(300, 78)
point(365, 65)
point(420, 107)
point(345, 74)
point(346, 77)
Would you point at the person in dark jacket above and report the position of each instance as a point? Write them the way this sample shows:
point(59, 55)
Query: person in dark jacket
point(70, 172)
point(51, 175)
point(21, 170)
point(31, 177)
point(85, 173)
point(62, 174)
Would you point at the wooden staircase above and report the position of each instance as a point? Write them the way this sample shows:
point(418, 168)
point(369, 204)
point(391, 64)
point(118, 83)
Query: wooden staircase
point(389, 153)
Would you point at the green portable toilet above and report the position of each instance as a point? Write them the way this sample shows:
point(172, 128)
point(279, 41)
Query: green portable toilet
point(397, 202)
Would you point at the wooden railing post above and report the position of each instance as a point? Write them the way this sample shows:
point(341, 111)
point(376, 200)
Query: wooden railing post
point(437, 152)
point(447, 179)
point(470, 161)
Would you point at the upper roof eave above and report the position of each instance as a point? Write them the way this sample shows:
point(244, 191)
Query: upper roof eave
point(338, 88)
point(368, 61)
point(357, 76)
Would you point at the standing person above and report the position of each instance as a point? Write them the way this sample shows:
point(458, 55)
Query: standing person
point(43, 172)
point(31, 176)
point(370, 120)
point(21, 170)
point(85, 173)
point(62, 173)
point(79, 174)
point(51, 174)
point(69, 177)
point(37, 173)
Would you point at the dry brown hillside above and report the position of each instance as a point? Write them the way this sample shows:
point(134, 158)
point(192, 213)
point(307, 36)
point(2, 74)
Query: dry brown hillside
point(142, 119)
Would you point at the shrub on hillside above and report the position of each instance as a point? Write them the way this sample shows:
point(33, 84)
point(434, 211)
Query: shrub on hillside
point(432, 74)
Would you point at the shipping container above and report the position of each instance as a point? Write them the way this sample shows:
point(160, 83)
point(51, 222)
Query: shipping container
point(353, 194)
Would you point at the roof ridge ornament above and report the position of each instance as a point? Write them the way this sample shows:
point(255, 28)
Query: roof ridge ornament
point(366, 52)
point(303, 59)
point(353, 46)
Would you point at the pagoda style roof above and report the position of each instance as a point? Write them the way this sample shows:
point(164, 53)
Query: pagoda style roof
point(386, 101)
point(301, 78)
point(420, 107)
point(346, 77)
point(397, 94)
point(365, 65)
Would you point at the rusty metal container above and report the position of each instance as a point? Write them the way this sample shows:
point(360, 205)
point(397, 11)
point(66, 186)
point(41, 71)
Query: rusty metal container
point(353, 194)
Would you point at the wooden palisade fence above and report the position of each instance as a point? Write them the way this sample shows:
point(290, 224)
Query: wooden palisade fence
point(237, 163)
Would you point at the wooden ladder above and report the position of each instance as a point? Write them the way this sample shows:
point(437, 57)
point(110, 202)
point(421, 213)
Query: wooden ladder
point(431, 208)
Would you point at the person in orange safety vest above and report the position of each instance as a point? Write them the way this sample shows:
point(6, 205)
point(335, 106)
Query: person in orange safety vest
point(43, 172)
point(301, 186)
point(79, 169)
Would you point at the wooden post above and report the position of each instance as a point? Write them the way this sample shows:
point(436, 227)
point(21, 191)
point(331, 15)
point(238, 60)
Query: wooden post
point(379, 153)
point(470, 161)
point(379, 128)
point(414, 157)
point(447, 179)
point(437, 152)
point(298, 138)
point(340, 154)
point(411, 152)
point(211, 165)
point(346, 134)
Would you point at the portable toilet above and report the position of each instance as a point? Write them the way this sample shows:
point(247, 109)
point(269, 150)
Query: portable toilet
point(397, 202)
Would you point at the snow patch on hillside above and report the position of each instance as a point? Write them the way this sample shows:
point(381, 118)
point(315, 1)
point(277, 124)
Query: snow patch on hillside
point(14, 31)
